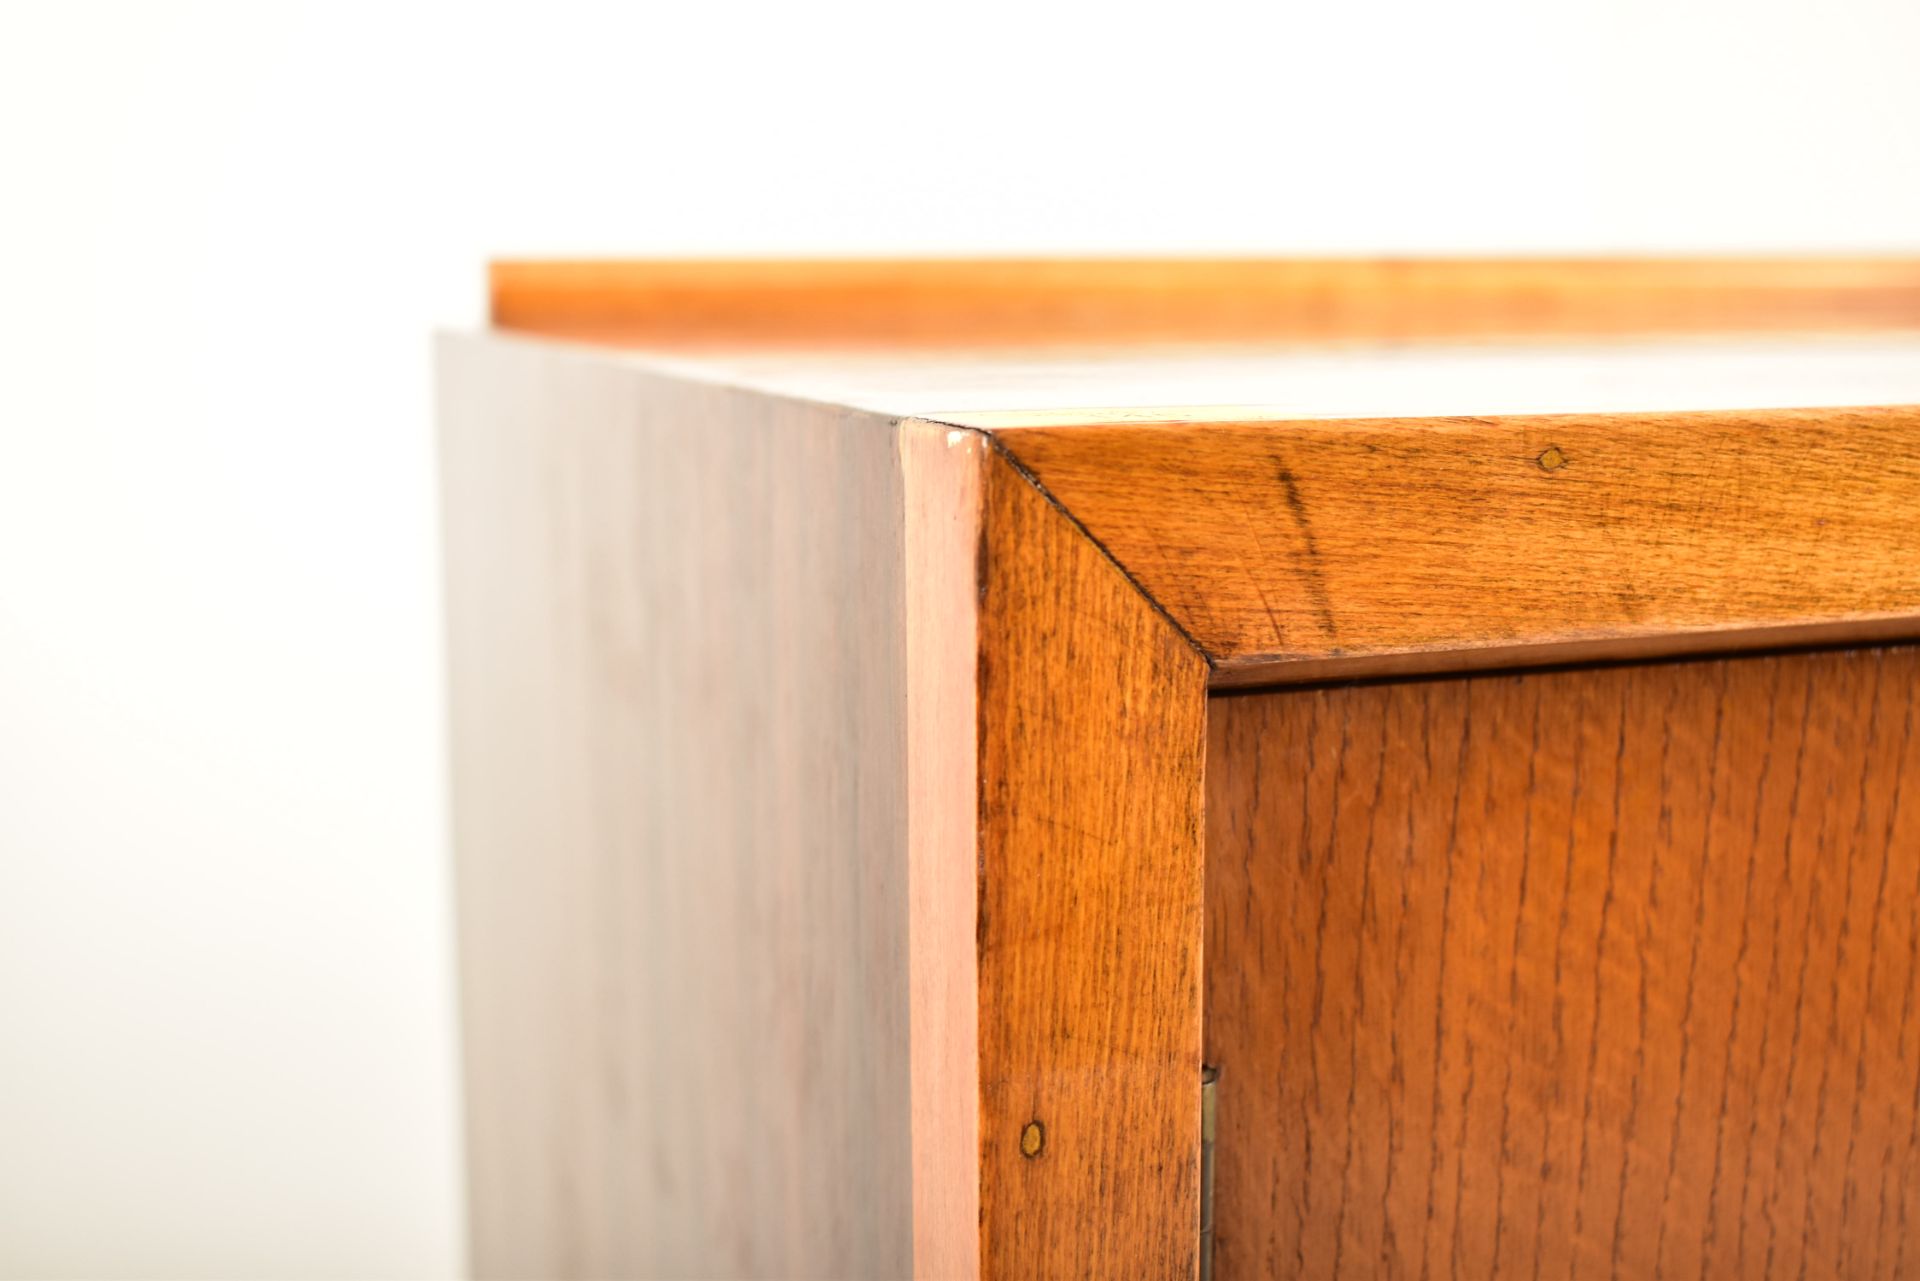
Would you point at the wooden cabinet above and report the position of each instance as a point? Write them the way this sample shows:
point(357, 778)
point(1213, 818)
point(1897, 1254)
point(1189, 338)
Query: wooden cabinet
point(908, 719)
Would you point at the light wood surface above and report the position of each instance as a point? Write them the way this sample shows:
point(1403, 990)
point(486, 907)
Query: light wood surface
point(1605, 972)
point(1092, 711)
point(1037, 303)
point(999, 388)
point(942, 475)
point(1313, 549)
point(681, 817)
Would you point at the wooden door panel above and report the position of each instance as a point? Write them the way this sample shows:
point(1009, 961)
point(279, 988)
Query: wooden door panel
point(1604, 972)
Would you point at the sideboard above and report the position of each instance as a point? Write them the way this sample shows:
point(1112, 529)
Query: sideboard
point(1157, 769)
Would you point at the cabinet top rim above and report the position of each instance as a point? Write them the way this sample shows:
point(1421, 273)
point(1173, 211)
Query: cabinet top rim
point(1041, 302)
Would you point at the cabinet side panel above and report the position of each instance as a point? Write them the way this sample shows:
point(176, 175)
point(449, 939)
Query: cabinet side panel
point(679, 750)
point(1606, 972)
point(1092, 716)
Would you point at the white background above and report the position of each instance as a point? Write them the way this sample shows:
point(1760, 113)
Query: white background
point(226, 231)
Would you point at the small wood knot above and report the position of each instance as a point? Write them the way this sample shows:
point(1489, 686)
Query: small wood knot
point(1553, 459)
point(1032, 1139)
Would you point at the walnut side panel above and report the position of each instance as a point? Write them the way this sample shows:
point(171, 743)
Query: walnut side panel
point(1609, 972)
point(680, 815)
point(1311, 550)
point(1092, 714)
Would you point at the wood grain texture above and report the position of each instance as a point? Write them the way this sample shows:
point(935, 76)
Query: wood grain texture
point(1607, 972)
point(942, 473)
point(1091, 732)
point(678, 657)
point(1038, 302)
point(828, 787)
point(1307, 550)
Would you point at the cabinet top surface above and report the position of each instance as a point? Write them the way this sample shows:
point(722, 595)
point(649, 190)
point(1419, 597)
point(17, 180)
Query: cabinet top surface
point(1277, 382)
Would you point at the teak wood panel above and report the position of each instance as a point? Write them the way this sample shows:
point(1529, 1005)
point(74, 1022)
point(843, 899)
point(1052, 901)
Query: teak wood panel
point(1038, 303)
point(1307, 550)
point(680, 813)
point(1605, 972)
point(1092, 728)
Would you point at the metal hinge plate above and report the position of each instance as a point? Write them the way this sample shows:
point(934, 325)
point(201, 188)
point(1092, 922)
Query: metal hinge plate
point(1209, 1078)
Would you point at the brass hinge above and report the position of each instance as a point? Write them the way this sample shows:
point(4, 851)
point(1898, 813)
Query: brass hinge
point(1208, 1078)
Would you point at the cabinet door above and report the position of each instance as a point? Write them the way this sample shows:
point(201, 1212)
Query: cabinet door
point(1603, 972)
